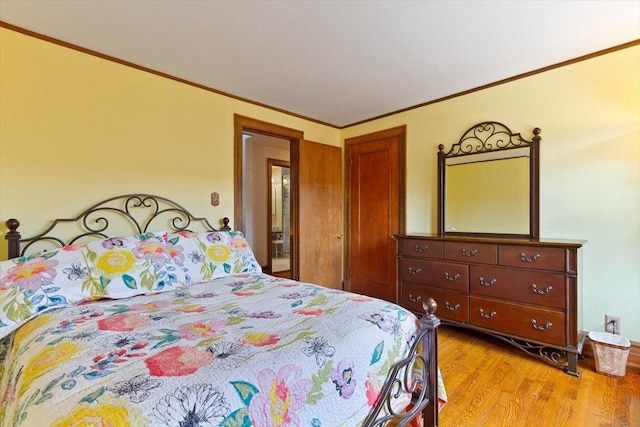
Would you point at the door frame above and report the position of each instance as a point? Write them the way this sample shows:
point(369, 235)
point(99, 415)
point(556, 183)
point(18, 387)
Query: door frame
point(244, 124)
point(401, 132)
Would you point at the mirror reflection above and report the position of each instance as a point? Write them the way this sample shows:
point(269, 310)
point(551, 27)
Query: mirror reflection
point(280, 179)
point(488, 195)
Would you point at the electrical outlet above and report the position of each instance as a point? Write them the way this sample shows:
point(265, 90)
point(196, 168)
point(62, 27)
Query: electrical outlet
point(610, 321)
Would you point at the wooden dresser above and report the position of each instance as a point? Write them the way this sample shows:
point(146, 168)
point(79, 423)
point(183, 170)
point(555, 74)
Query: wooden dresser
point(523, 291)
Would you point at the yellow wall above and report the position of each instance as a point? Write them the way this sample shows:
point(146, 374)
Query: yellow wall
point(589, 113)
point(74, 126)
point(488, 196)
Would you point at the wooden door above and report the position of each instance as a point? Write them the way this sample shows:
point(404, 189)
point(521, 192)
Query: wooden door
point(375, 204)
point(319, 219)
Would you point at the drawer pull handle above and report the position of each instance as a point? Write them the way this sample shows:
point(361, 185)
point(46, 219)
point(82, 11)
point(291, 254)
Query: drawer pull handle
point(421, 249)
point(414, 272)
point(541, 328)
point(414, 299)
point(489, 283)
point(451, 278)
point(469, 254)
point(525, 258)
point(541, 291)
point(454, 308)
point(487, 316)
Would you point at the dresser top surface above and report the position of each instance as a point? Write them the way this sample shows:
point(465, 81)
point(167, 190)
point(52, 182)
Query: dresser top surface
point(502, 240)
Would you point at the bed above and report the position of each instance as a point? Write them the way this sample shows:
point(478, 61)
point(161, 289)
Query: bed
point(174, 324)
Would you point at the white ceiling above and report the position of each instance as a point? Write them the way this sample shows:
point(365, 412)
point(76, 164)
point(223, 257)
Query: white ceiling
point(338, 62)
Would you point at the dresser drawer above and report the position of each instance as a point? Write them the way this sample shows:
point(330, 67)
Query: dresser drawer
point(516, 319)
point(483, 253)
point(532, 257)
point(532, 287)
point(421, 248)
point(446, 275)
point(451, 305)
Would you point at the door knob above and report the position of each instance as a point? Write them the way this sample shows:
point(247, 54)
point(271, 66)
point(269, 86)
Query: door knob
point(340, 236)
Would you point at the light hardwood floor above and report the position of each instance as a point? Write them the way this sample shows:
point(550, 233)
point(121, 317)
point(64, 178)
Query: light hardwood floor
point(490, 384)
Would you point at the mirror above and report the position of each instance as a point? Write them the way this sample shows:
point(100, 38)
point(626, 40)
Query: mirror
point(488, 183)
point(279, 215)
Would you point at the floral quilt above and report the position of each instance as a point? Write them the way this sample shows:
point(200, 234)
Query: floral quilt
point(244, 349)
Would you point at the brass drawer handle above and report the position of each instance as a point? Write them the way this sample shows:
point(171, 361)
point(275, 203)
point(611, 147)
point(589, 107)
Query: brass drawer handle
point(525, 258)
point(487, 316)
point(414, 299)
point(489, 283)
point(414, 272)
point(541, 291)
point(421, 249)
point(540, 328)
point(454, 308)
point(469, 254)
point(451, 278)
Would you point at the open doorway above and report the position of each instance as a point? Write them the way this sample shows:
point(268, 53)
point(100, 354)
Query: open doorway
point(279, 205)
point(264, 155)
point(315, 200)
point(255, 142)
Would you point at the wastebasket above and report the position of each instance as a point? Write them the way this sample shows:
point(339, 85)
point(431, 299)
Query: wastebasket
point(611, 352)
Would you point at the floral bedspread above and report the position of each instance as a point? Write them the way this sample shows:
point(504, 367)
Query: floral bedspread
point(242, 350)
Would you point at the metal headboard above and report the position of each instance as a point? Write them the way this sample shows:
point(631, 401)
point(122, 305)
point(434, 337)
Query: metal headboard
point(140, 212)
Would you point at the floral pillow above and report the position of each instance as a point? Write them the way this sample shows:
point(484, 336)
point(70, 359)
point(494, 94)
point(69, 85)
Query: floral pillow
point(208, 255)
point(121, 267)
point(29, 285)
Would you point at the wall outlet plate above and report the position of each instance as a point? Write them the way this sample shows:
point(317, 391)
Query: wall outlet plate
point(609, 321)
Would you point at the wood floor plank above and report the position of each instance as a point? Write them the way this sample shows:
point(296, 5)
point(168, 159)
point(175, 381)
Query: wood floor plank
point(490, 383)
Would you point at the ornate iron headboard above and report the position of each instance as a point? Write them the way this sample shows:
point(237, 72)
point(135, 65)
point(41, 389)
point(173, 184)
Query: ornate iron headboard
point(140, 212)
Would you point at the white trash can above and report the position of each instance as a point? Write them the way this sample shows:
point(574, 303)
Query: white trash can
point(611, 352)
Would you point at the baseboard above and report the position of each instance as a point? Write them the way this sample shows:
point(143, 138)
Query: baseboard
point(633, 362)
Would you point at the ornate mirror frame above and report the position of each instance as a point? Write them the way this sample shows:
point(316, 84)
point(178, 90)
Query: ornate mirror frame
point(488, 137)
